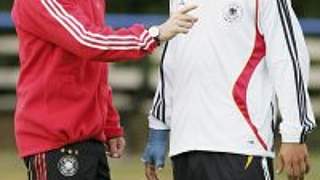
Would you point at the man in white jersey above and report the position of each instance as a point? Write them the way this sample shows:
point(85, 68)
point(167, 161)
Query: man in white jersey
point(218, 89)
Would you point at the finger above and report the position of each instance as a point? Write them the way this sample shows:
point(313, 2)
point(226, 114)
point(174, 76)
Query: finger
point(182, 30)
point(121, 147)
point(280, 165)
point(307, 165)
point(150, 172)
point(113, 147)
point(184, 24)
point(147, 172)
point(186, 9)
point(288, 167)
point(296, 168)
point(188, 18)
point(154, 173)
point(303, 167)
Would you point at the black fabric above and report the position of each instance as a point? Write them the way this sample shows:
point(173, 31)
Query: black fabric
point(90, 155)
point(200, 165)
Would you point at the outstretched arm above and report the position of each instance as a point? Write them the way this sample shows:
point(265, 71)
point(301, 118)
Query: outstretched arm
point(64, 23)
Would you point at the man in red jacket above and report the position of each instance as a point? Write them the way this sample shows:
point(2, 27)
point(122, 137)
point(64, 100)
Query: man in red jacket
point(64, 112)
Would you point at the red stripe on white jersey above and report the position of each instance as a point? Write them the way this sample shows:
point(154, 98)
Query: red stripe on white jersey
point(241, 86)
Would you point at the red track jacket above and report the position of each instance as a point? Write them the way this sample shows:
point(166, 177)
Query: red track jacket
point(63, 92)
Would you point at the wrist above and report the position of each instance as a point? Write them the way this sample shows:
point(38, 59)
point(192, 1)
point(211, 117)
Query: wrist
point(292, 133)
point(158, 136)
point(293, 138)
point(154, 32)
point(113, 132)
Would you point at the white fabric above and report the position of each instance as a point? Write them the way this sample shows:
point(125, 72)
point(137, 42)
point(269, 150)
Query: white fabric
point(200, 71)
point(265, 167)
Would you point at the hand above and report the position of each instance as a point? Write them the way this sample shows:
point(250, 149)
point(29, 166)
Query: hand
point(115, 147)
point(294, 159)
point(155, 152)
point(179, 22)
point(151, 172)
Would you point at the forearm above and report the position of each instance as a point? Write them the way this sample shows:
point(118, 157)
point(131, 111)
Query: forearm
point(288, 61)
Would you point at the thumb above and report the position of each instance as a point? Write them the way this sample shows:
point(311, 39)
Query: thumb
point(280, 164)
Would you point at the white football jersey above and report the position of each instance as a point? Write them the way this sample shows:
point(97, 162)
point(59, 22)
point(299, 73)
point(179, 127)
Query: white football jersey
point(219, 83)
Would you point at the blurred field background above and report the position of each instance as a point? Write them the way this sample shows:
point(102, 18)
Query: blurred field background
point(133, 85)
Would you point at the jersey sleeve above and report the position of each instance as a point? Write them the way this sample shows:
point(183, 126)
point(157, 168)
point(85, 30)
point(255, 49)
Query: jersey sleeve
point(159, 113)
point(288, 65)
point(64, 23)
point(112, 125)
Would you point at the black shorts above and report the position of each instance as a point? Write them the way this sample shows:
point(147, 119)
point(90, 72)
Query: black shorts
point(200, 165)
point(81, 161)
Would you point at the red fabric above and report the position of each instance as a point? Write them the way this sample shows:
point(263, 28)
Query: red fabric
point(63, 93)
point(112, 127)
point(241, 85)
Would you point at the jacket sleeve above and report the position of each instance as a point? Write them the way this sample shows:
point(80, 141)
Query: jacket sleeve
point(64, 23)
point(112, 125)
point(288, 65)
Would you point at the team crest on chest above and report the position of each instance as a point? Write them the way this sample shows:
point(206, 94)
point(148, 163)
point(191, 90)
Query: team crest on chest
point(68, 165)
point(233, 12)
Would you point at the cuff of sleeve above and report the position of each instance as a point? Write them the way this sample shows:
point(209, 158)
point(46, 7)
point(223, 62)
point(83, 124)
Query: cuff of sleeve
point(154, 123)
point(112, 132)
point(292, 138)
point(149, 44)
